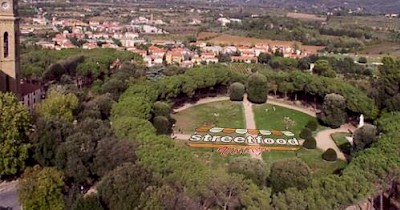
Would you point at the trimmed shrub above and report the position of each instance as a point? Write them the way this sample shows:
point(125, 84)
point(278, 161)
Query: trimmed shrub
point(329, 155)
point(257, 88)
point(363, 60)
point(333, 110)
point(310, 143)
point(236, 91)
point(312, 125)
point(161, 109)
point(363, 137)
point(305, 133)
point(162, 125)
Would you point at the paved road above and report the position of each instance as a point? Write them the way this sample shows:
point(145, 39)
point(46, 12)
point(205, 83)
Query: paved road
point(9, 195)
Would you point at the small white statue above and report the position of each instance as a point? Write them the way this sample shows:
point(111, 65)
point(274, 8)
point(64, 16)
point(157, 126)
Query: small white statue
point(361, 123)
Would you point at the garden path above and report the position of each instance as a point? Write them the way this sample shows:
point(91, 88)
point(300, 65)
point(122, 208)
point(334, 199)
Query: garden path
point(250, 123)
point(325, 141)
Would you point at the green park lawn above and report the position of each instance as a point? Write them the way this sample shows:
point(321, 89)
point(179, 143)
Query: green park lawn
point(230, 115)
point(273, 120)
point(226, 114)
point(312, 158)
point(341, 141)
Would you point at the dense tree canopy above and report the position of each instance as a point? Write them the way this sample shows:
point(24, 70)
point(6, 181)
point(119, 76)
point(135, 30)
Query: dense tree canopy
point(334, 110)
point(14, 142)
point(58, 105)
point(289, 173)
point(324, 68)
point(117, 194)
point(49, 135)
point(41, 189)
point(164, 175)
point(251, 168)
point(91, 202)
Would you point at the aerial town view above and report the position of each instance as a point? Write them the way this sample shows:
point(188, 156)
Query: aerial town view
point(200, 104)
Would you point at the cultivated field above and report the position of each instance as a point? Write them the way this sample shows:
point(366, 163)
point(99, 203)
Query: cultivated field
point(304, 16)
point(225, 39)
point(378, 22)
point(207, 35)
point(383, 49)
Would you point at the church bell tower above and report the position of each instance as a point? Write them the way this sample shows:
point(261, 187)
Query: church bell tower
point(9, 46)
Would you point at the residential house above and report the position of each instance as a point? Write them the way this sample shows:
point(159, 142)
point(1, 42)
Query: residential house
point(229, 50)
point(89, 45)
point(209, 57)
point(215, 49)
point(67, 45)
point(246, 51)
point(156, 51)
point(40, 21)
point(157, 60)
point(174, 56)
point(31, 95)
point(46, 45)
point(187, 64)
point(110, 45)
point(60, 39)
point(196, 59)
point(261, 48)
point(245, 59)
point(142, 53)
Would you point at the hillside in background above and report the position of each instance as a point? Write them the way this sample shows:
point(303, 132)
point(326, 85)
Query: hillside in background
point(372, 6)
point(369, 6)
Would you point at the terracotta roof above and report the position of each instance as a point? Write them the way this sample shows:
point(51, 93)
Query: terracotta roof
point(27, 88)
point(155, 49)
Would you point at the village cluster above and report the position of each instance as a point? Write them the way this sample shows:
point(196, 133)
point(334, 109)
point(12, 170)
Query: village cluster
point(74, 33)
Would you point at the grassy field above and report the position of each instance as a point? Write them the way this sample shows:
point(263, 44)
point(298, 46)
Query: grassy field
point(381, 50)
point(369, 21)
point(305, 16)
point(230, 114)
point(207, 35)
point(312, 158)
point(224, 114)
point(342, 142)
point(273, 120)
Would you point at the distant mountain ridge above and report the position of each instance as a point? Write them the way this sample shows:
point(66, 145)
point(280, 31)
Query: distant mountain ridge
point(371, 6)
point(374, 6)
